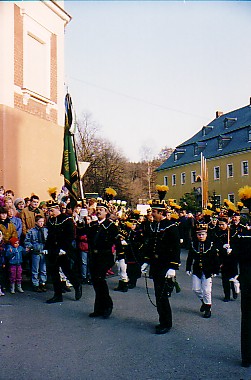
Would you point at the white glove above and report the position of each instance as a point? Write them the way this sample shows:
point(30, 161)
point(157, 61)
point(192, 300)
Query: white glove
point(144, 267)
point(181, 241)
point(188, 272)
point(229, 250)
point(45, 252)
point(62, 252)
point(170, 273)
point(226, 246)
point(123, 242)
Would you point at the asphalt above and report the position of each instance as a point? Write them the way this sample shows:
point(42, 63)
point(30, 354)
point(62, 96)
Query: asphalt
point(59, 341)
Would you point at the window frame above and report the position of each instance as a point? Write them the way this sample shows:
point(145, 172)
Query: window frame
point(183, 178)
point(215, 177)
point(174, 180)
point(242, 168)
point(228, 172)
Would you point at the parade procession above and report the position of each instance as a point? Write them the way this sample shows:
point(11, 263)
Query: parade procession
point(70, 241)
point(125, 215)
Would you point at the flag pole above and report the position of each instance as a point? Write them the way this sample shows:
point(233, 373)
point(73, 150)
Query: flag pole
point(202, 180)
point(79, 178)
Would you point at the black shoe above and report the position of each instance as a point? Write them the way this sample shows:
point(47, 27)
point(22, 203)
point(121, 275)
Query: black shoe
point(36, 289)
point(107, 313)
point(235, 295)
point(95, 314)
point(207, 314)
point(203, 307)
point(245, 363)
point(226, 299)
point(159, 329)
point(43, 287)
point(131, 286)
point(78, 293)
point(55, 299)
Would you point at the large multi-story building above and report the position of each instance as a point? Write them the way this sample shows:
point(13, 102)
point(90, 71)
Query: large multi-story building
point(226, 145)
point(32, 95)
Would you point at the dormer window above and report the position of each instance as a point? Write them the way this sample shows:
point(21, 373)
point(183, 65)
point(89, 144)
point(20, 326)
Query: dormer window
point(249, 134)
point(178, 153)
point(207, 129)
point(199, 147)
point(229, 121)
point(223, 141)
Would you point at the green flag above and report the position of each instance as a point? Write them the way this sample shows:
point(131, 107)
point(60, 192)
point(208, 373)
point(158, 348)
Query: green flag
point(69, 164)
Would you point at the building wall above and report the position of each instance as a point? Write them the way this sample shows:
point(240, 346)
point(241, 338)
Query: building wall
point(31, 113)
point(30, 153)
point(223, 187)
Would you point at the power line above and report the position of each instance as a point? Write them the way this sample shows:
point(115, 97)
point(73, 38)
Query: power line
point(137, 99)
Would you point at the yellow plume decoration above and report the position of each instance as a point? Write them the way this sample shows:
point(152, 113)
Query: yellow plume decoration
point(244, 192)
point(161, 188)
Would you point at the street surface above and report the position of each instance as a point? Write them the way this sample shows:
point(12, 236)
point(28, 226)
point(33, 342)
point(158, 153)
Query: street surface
point(59, 341)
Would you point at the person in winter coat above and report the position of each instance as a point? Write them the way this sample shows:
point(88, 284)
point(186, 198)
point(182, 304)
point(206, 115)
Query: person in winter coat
point(14, 254)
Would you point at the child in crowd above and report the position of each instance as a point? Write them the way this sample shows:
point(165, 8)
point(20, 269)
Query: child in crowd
point(14, 253)
point(15, 220)
point(2, 264)
point(34, 242)
point(2, 191)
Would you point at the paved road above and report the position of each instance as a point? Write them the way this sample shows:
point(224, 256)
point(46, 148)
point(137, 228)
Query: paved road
point(59, 341)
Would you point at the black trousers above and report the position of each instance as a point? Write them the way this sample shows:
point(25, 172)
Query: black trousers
point(227, 285)
point(98, 269)
point(53, 264)
point(162, 289)
point(245, 284)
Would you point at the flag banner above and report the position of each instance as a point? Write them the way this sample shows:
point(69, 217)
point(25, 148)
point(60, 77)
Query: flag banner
point(204, 181)
point(69, 164)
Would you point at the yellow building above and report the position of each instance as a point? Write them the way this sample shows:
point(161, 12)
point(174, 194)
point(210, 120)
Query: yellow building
point(32, 95)
point(226, 145)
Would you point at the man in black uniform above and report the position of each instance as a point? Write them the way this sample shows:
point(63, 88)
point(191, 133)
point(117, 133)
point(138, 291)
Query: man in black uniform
point(203, 258)
point(102, 235)
point(162, 252)
point(61, 251)
point(244, 258)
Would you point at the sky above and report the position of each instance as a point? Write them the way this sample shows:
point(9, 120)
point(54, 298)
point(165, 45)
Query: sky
point(153, 73)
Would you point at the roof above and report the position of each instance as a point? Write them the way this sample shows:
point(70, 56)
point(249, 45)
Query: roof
point(231, 129)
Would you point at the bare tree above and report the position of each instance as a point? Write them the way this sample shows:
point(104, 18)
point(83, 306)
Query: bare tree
point(106, 163)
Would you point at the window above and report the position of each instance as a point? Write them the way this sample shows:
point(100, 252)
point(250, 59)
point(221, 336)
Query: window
point(231, 197)
point(199, 147)
point(249, 134)
point(229, 121)
point(174, 179)
point(193, 176)
point(230, 170)
point(36, 70)
point(223, 141)
point(220, 144)
point(183, 178)
point(216, 172)
point(244, 168)
point(165, 181)
point(178, 153)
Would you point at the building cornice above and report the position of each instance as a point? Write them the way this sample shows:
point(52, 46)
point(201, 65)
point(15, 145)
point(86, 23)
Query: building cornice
point(208, 160)
point(58, 10)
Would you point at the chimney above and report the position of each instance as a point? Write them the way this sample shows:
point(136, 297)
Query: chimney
point(218, 114)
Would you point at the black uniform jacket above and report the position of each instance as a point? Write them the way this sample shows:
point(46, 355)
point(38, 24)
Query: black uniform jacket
point(228, 261)
point(60, 234)
point(162, 246)
point(102, 237)
point(206, 262)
